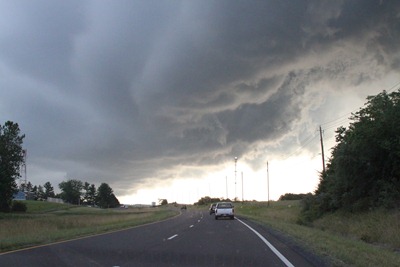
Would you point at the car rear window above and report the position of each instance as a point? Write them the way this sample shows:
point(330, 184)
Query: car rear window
point(224, 205)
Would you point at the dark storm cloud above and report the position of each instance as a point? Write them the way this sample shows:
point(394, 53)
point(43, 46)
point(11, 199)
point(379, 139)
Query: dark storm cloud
point(253, 122)
point(37, 37)
point(130, 90)
point(231, 42)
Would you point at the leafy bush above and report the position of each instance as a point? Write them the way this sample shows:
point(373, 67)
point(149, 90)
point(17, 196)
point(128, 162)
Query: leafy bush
point(19, 206)
point(311, 209)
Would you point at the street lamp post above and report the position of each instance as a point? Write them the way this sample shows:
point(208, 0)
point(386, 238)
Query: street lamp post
point(242, 188)
point(235, 176)
point(226, 184)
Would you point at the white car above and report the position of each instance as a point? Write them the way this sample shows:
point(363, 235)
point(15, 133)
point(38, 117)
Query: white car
point(224, 209)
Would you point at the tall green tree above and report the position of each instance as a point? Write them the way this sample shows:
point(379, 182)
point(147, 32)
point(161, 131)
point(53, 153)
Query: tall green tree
point(11, 157)
point(71, 191)
point(48, 190)
point(105, 197)
point(163, 202)
point(29, 187)
point(364, 169)
point(40, 194)
point(33, 194)
point(92, 194)
point(89, 196)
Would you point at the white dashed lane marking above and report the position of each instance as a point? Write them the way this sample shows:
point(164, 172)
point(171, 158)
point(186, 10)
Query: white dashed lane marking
point(171, 237)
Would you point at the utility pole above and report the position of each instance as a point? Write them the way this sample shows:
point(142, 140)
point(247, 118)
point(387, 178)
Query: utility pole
point(23, 172)
point(268, 182)
point(242, 188)
point(226, 184)
point(235, 177)
point(322, 149)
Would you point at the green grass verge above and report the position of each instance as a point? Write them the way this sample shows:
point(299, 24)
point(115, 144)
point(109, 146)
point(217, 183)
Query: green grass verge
point(346, 240)
point(51, 222)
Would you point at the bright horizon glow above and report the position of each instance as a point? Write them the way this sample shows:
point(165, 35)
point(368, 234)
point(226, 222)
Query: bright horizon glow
point(298, 174)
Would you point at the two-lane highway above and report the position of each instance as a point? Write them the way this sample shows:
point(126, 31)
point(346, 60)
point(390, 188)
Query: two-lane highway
point(194, 238)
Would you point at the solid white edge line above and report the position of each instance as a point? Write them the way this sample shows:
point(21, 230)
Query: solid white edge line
point(171, 237)
point(277, 253)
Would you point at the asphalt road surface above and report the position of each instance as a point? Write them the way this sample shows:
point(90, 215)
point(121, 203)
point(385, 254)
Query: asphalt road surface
point(194, 238)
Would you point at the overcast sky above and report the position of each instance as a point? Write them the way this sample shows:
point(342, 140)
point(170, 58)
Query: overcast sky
point(149, 94)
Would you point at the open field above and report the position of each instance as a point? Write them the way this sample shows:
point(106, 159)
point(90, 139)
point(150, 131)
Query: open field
point(51, 222)
point(369, 239)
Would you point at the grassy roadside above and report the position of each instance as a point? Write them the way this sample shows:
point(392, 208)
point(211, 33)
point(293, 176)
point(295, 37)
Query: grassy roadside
point(51, 222)
point(370, 239)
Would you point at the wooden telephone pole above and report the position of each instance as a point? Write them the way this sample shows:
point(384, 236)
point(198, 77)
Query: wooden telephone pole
point(268, 183)
point(322, 150)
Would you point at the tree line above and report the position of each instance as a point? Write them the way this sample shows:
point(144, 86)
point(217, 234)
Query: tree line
point(208, 200)
point(363, 172)
point(41, 192)
point(291, 196)
point(72, 191)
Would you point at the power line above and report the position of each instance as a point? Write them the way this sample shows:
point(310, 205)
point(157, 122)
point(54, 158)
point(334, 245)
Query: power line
point(341, 118)
point(335, 123)
point(310, 138)
point(339, 123)
point(395, 86)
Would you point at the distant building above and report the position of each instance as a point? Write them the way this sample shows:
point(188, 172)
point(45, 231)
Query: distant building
point(20, 195)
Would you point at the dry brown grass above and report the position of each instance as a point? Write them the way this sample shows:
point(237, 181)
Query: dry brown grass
point(369, 239)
